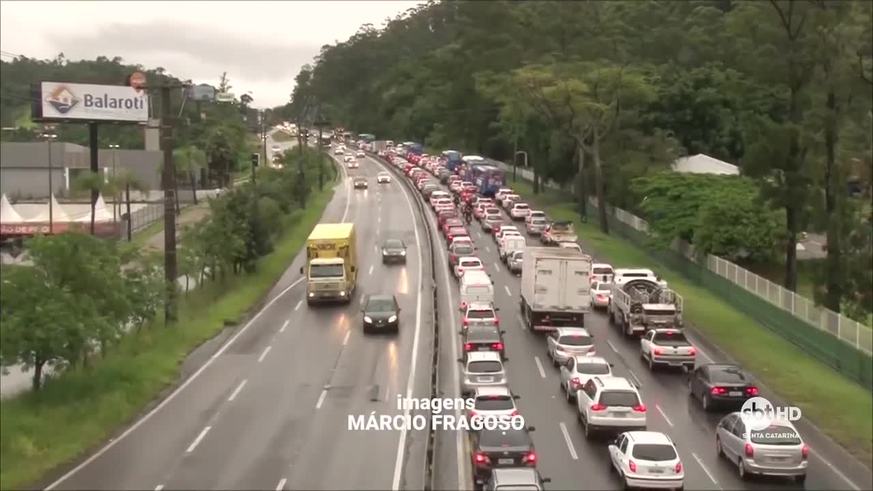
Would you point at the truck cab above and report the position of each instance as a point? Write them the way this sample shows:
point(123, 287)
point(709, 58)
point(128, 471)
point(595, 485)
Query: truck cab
point(331, 263)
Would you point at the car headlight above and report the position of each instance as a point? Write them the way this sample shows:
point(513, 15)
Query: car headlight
point(343, 293)
point(384, 252)
point(402, 253)
point(367, 319)
point(311, 294)
point(392, 318)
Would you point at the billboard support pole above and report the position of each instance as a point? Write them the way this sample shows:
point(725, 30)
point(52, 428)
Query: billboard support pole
point(169, 185)
point(95, 167)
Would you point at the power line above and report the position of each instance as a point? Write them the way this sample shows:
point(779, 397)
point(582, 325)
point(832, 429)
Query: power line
point(10, 54)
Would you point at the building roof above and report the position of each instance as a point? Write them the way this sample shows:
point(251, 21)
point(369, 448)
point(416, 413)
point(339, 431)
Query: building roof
point(704, 164)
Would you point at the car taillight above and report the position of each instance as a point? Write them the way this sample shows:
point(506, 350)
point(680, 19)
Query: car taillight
point(678, 467)
point(496, 320)
point(692, 351)
point(473, 414)
point(530, 458)
point(515, 412)
point(752, 391)
point(481, 458)
point(466, 322)
point(632, 465)
point(598, 407)
point(463, 305)
point(659, 351)
point(497, 346)
point(640, 408)
point(804, 452)
point(749, 450)
point(575, 382)
point(717, 391)
point(468, 346)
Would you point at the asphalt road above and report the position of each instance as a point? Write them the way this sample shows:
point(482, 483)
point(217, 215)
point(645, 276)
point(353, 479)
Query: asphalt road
point(270, 409)
point(565, 455)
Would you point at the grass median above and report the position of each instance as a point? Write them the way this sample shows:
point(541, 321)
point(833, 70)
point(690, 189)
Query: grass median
point(84, 407)
point(836, 405)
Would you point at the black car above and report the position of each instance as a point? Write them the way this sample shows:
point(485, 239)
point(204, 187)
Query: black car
point(393, 251)
point(500, 448)
point(381, 312)
point(361, 183)
point(721, 385)
point(483, 338)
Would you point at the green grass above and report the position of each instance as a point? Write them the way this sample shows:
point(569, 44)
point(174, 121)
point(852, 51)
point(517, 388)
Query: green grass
point(836, 405)
point(84, 407)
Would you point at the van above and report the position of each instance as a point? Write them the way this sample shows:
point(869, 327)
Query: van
point(475, 286)
point(509, 244)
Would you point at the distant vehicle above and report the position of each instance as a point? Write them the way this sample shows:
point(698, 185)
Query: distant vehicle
point(600, 294)
point(339, 151)
point(466, 264)
point(480, 314)
point(570, 245)
point(519, 211)
point(536, 225)
point(577, 370)
point(610, 404)
point(602, 272)
point(482, 369)
point(647, 459)
point(276, 148)
point(561, 297)
point(556, 232)
point(567, 342)
point(667, 347)
point(640, 301)
point(331, 263)
point(493, 449)
point(360, 155)
point(361, 182)
point(515, 262)
point(380, 312)
point(487, 178)
point(383, 177)
point(516, 478)
point(777, 450)
point(393, 250)
point(485, 337)
point(492, 402)
point(475, 287)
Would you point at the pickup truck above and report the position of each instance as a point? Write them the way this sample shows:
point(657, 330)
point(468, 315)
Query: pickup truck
point(640, 302)
point(557, 232)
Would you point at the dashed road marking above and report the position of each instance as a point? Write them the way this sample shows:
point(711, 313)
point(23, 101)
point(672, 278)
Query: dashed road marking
point(264, 354)
point(521, 322)
point(296, 307)
point(569, 442)
point(236, 391)
point(159, 487)
point(371, 270)
point(346, 339)
point(612, 346)
point(281, 485)
point(540, 366)
point(321, 399)
point(637, 380)
point(197, 440)
point(709, 474)
point(664, 415)
point(507, 290)
point(287, 321)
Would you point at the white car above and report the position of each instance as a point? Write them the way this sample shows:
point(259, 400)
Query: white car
point(567, 342)
point(508, 244)
point(339, 151)
point(602, 272)
point(534, 214)
point(601, 294)
point(647, 459)
point(667, 346)
point(570, 245)
point(505, 229)
point(492, 402)
point(276, 148)
point(482, 369)
point(480, 313)
point(610, 404)
point(466, 264)
point(360, 155)
point(438, 195)
point(509, 200)
point(519, 211)
point(501, 193)
point(577, 370)
point(383, 177)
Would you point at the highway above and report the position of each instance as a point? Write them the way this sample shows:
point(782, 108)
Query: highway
point(565, 455)
point(269, 410)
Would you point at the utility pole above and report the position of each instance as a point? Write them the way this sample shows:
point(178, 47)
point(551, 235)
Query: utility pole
point(95, 168)
point(49, 137)
point(169, 185)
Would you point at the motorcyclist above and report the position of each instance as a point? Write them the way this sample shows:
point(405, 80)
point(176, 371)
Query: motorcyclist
point(468, 213)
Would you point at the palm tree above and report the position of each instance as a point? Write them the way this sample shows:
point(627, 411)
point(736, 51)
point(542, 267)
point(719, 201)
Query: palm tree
point(93, 183)
point(189, 160)
point(122, 181)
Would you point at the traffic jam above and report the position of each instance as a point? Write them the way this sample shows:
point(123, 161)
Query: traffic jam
point(560, 285)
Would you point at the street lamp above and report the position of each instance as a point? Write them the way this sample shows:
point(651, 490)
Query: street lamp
point(515, 161)
point(48, 138)
point(114, 176)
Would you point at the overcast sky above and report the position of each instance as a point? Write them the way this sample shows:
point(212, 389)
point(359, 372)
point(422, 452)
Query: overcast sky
point(261, 45)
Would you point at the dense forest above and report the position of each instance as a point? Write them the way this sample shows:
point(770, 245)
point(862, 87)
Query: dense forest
point(608, 94)
point(220, 131)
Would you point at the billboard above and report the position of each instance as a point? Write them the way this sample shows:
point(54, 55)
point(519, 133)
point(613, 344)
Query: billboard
point(63, 101)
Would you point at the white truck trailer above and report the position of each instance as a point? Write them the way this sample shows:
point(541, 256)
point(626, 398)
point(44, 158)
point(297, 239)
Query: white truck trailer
point(554, 288)
point(641, 301)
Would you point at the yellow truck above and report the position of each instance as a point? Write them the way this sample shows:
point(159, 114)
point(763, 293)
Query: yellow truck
point(331, 263)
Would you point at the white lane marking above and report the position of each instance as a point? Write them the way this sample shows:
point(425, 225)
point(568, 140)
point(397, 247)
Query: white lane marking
point(521, 322)
point(632, 374)
point(507, 290)
point(297, 307)
point(371, 269)
point(281, 485)
point(401, 444)
point(664, 415)
point(569, 442)
point(321, 399)
point(497, 266)
point(837, 471)
point(236, 391)
point(612, 346)
point(348, 195)
point(197, 440)
point(346, 339)
point(285, 324)
point(159, 487)
point(264, 354)
point(173, 394)
point(709, 474)
point(540, 366)
point(487, 249)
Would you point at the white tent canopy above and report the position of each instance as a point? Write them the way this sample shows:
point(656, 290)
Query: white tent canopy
point(59, 215)
point(8, 215)
point(101, 214)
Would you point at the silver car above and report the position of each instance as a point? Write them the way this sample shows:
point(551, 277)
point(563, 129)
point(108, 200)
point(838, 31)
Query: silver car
point(482, 369)
point(515, 261)
point(578, 370)
point(565, 342)
point(776, 450)
point(536, 225)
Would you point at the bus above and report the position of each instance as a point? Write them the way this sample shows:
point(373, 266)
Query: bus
point(452, 159)
point(488, 178)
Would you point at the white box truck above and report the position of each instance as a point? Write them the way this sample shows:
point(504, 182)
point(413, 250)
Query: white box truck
point(555, 289)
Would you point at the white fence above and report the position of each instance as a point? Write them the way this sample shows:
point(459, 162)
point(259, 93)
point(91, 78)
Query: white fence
point(848, 330)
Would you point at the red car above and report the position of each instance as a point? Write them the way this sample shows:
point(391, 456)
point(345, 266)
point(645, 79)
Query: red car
point(451, 222)
point(407, 168)
point(445, 215)
point(461, 248)
point(456, 232)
